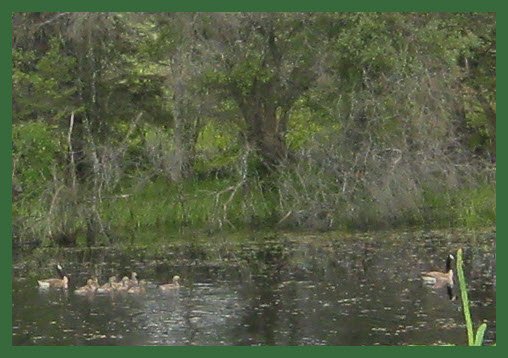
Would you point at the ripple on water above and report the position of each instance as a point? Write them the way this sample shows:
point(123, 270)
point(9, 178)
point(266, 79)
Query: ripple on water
point(352, 292)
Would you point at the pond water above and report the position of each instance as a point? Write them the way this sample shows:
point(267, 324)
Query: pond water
point(287, 290)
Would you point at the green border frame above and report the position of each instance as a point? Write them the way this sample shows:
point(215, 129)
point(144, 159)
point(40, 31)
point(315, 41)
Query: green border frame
point(211, 5)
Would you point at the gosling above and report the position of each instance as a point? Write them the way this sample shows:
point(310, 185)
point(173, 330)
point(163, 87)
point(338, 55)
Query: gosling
point(139, 289)
point(108, 286)
point(171, 286)
point(89, 288)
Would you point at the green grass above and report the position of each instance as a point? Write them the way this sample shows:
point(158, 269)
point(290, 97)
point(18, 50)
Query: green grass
point(146, 213)
point(476, 207)
point(168, 208)
point(469, 208)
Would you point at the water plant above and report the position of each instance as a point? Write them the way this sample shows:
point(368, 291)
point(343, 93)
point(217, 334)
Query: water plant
point(472, 338)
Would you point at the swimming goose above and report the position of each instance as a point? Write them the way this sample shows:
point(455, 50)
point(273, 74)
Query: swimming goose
point(140, 288)
point(134, 280)
point(88, 288)
point(123, 285)
point(108, 286)
point(120, 284)
point(62, 282)
point(95, 282)
point(440, 279)
point(171, 286)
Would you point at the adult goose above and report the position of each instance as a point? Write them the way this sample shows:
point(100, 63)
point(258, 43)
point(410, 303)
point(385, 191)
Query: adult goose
point(62, 282)
point(440, 279)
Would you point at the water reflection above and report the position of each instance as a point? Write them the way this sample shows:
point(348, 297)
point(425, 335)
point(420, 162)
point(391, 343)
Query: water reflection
point(270, 292)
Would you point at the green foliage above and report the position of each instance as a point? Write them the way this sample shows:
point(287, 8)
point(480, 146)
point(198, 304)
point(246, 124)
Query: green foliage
point(36, 151)
point(382, 109)
point(303, 127)
point(216, 148)
point(472, 339)
point(43, 87)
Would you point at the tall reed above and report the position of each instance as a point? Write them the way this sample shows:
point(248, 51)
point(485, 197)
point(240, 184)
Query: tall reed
point(472, 339)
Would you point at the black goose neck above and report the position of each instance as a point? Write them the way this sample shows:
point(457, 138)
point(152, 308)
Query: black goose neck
point(448, 264)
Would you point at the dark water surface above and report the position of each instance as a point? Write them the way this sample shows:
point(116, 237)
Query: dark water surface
point(289, 290)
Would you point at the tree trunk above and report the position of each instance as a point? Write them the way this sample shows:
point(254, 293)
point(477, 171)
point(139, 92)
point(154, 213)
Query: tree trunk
point(81, 167)
point(266, 132)
point(490, 114)
point(91, 230)
point(185, 135)
point(183, 153)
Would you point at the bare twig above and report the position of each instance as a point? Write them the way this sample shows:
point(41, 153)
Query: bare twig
point(233, 190)
point(71, 151)
point(53, 202)
point(132, 127)
point(54, 18)
point(285, 217)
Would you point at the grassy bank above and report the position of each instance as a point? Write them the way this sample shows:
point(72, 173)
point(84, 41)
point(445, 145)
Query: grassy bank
point(144, 212)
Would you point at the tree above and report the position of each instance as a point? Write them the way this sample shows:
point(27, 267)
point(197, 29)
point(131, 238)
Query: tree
point(478, 80)
point(265, 63)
